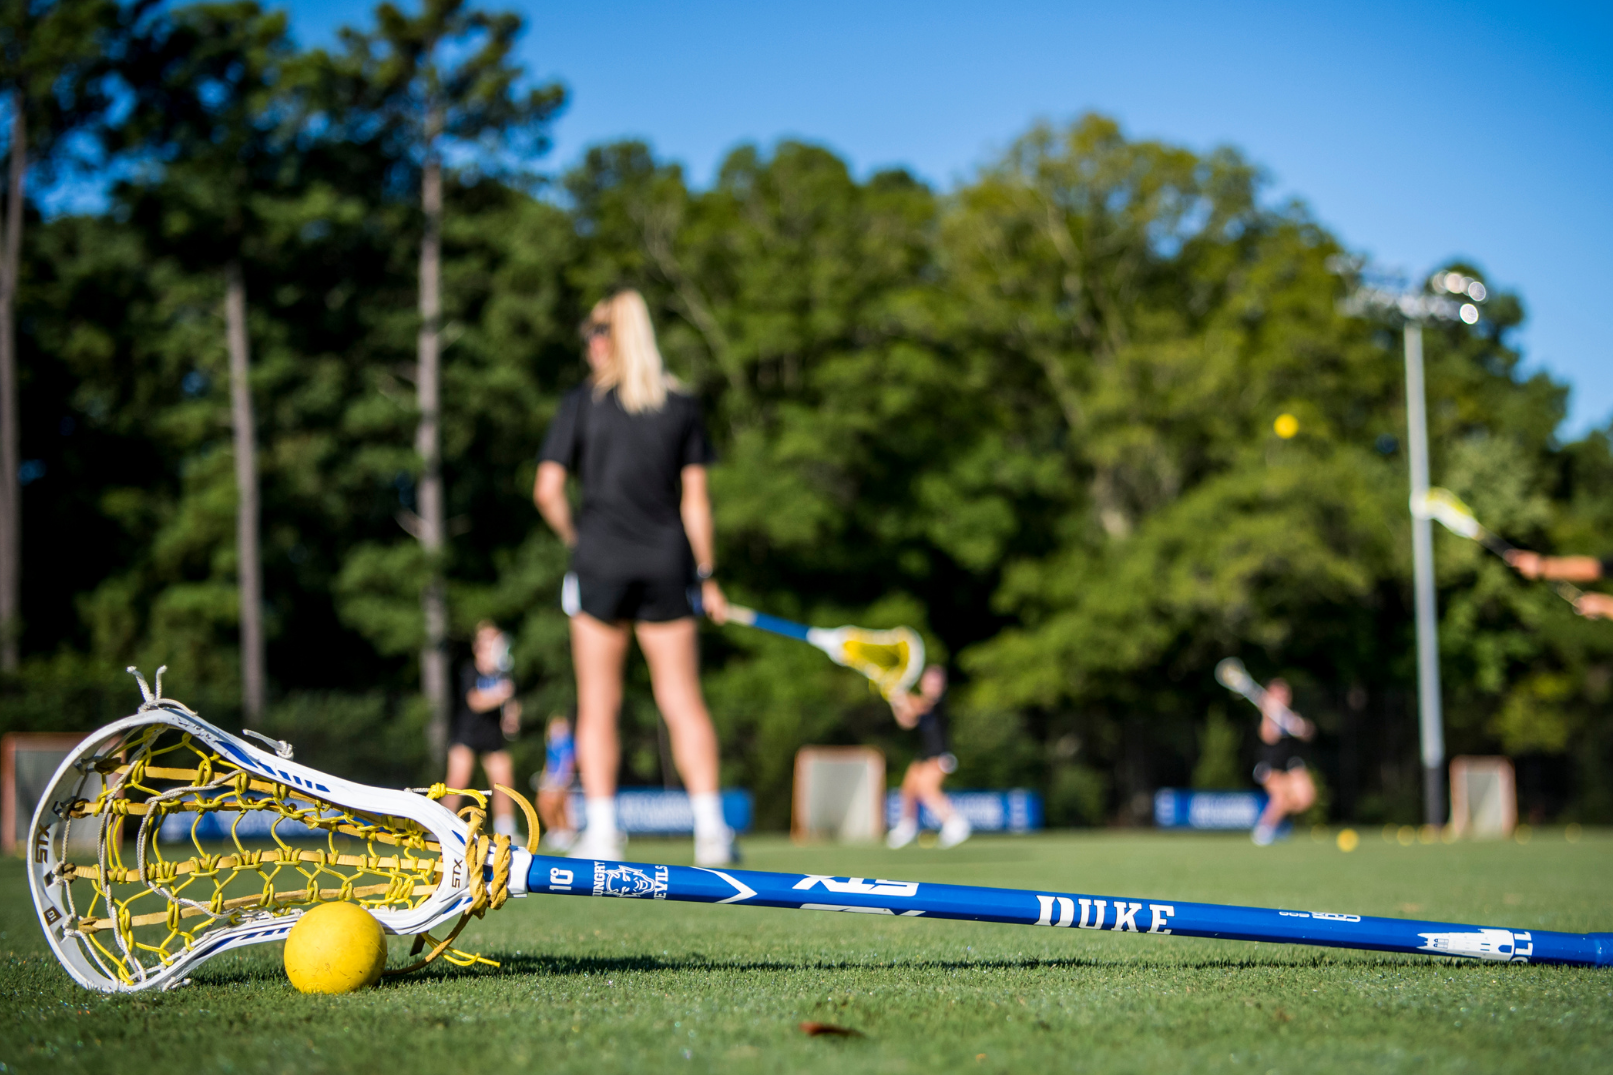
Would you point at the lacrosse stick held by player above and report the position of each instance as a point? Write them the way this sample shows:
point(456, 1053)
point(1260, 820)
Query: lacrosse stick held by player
point(1568, 569)
point(892, 659)
point(1561, 571)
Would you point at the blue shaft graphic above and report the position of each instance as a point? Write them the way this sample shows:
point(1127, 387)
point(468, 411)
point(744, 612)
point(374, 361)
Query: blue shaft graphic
point(812, 892)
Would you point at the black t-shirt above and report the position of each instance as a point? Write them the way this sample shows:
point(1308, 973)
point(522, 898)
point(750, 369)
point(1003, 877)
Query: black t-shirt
point(932, 729)
point(471, 679)
point(631, 469)
point(479, 731)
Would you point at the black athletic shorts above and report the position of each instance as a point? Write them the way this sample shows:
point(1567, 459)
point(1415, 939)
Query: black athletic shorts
point(932, 731)
point(479, 731)
point(1280, 757)
point(654, 600)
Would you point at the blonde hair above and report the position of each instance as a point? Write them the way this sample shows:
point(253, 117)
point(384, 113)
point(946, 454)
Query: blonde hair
point(635, 369)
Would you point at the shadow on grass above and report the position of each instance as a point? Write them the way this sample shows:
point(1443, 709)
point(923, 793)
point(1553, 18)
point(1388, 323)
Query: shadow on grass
point(561, 966)
point(527, 965)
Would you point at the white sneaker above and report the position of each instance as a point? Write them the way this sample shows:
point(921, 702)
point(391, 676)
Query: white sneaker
point(1263, 835)
point(560, 839)
point(903, 834)
point(716, 850)
point(954, 831)
point(599, 845)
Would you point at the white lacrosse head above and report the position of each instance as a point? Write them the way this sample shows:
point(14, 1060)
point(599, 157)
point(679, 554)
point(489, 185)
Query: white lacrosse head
point(1447, 508)
point(1232, 675)
point(123, 914)
point(893, 659)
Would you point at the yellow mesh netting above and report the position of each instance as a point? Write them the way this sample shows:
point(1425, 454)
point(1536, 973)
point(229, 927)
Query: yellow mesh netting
point(886, 660)
point(139, 915)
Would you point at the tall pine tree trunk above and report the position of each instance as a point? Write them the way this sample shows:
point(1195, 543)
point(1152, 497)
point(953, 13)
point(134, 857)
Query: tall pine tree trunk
point(428, 442)
point(10, 435)
point(249, 567)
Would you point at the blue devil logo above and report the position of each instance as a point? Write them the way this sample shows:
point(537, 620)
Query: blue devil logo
point(621, 881)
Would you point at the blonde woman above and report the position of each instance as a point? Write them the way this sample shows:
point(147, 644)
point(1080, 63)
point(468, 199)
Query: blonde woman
point(641, 541)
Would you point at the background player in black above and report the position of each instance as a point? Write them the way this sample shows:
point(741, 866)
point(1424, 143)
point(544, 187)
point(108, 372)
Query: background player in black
point(1281, 769)
point(926, 713)
point(487, 716)
point(1532, 565)
point(642, 537)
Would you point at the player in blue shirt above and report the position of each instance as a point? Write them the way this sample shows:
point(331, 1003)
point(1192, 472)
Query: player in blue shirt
point(554, 785)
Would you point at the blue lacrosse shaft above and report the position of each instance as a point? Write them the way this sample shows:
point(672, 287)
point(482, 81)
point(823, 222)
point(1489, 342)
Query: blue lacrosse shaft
point(912, 899)
point(752, 618)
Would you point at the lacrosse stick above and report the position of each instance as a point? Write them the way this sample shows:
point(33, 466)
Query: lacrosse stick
point(121, 925)
point(1447, 508)
point(1234, 677)
point(912, 899)
point(892, 659)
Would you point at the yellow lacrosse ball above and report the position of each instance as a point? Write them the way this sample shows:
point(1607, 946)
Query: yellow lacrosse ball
point(335, 948)
point(1286, 426)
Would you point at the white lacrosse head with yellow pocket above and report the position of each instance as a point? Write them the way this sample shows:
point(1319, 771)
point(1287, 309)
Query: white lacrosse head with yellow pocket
point(1447, 508)
point(124, 913)
point(892, 659)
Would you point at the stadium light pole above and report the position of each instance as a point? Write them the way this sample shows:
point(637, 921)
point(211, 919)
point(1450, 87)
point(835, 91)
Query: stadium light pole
point(1449, 296)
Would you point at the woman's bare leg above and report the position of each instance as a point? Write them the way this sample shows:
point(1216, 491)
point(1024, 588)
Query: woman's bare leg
point(674, 659)
point(598, 651)
point(1276, 786)
point(500, 770)
point(910, 794)
point(926, 777)
point(553, 810)
point(1301, 791)
point(1292, 792)
point(461, 766)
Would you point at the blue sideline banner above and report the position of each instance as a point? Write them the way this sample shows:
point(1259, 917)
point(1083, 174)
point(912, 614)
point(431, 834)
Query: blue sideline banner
point(654, 812)
point(1177, 808)
point(1014, 810)
point(245, 824)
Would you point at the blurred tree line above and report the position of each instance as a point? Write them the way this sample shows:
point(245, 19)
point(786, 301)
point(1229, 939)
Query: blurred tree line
point(1031, 416)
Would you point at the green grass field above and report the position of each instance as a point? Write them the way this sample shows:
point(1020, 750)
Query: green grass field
point(598, 986)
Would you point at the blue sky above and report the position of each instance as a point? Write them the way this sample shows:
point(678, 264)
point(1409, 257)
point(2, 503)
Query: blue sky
point(1416, 131)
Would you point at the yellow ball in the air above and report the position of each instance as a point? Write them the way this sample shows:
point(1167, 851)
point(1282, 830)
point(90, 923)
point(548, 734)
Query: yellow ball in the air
point(1286, 425)
point(1348, 841)
point(335, 948)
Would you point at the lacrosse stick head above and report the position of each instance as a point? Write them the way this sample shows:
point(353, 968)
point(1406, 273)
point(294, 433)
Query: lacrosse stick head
point(1232, 675)
point(163, 841)
point(892, 659)
point(502, 654)
point(1447, 508)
